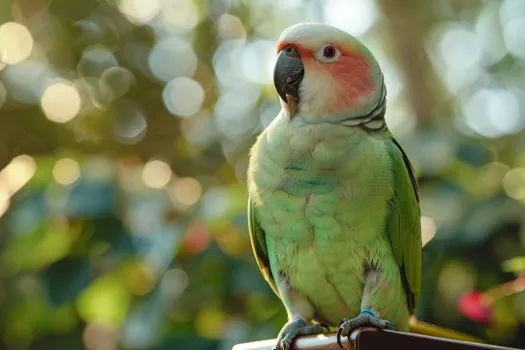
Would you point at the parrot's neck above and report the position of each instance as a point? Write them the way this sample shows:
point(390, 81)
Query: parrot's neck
point(298, 141)
point(374, 120)
point(370, 119)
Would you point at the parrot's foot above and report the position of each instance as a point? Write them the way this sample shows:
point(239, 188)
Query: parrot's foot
point(294, 329)
point(365, 318)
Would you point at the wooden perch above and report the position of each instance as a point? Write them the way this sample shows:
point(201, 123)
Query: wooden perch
point(368, 338)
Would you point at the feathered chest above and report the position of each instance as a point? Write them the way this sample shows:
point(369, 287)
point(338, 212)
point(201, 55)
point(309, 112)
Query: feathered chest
point(307, 158)
point(306, 178)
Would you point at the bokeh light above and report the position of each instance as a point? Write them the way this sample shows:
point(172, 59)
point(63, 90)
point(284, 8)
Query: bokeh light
point(26, 81)
point(128, 121)
point(512, 15)
point(16, 43)
point(460, 48)
point(225, 63)
point(234, 112)
point(258, 60)
point(17, 173)
point(355, 17)
point(139, 11)
point(174, 282)
point(183, 96)
point(13, 177)
point(493, 113)
point(66, 171)
point(515, 37)
point(230, 27)
point(156, 174)
point(514, 183)
point(186, 191)
point(61, 102)
point(215, 202)
point(95, 61)
point(105, 302)
point(181, 14)
point(115, 82)
point(490, 34)
point(172, 58)
point(457, 54)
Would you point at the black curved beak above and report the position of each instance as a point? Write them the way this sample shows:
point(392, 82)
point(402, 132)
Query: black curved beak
point(287, 77)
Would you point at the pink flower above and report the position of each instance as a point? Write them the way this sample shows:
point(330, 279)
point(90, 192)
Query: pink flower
point(473, 305)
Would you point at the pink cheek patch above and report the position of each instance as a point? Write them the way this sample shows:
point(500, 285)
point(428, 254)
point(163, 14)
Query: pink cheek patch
point(353, 75)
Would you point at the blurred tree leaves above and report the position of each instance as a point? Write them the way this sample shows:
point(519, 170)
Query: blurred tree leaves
point(515, 265)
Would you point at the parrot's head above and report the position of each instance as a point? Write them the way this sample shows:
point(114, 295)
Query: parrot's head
point(326, 74)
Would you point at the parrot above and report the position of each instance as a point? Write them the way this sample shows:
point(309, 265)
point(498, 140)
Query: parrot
point(333, 208)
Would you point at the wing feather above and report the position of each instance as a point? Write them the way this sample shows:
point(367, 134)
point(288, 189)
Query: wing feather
point(404, 222)
point(260, 250)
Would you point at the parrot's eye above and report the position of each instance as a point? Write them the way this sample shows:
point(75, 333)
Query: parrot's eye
point(329, 52)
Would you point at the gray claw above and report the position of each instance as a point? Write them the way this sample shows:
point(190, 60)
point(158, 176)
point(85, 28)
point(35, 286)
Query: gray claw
point(291, 331)
point(363, 319)
point(325, 327)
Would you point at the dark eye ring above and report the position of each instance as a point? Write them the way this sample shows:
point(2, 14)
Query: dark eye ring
point(329, 52)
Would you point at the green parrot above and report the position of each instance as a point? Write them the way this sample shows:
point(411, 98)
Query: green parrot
point(333, 202)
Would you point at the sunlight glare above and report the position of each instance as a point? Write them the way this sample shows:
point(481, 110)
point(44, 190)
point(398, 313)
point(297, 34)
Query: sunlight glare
point(61, 102)
point(156, 174)
point(16, 43)
point(66, 171)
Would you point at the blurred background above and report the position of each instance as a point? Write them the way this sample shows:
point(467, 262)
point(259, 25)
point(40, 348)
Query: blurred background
point(125, 127)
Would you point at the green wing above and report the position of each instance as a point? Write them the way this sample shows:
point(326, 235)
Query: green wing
point(404, 222)
point(258, 240)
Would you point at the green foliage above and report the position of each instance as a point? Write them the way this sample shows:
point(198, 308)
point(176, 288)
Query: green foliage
point(515, 265)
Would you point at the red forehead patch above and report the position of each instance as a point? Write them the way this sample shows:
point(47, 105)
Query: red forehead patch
point(301, 49)
point(282, 44)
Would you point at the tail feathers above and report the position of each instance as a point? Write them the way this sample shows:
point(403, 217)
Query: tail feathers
point(423, 328)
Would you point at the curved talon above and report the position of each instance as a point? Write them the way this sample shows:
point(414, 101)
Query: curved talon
point(365, 318)
point(392, 324)
point(325, 327)
point(294, 329)
point(338, 335)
